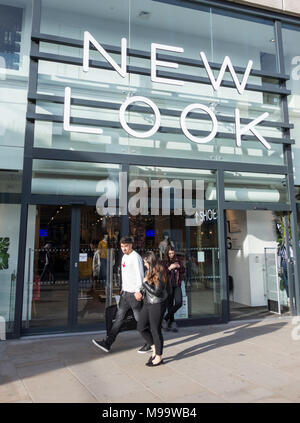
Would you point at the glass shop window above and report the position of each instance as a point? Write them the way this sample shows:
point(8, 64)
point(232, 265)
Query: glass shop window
point(10, 36)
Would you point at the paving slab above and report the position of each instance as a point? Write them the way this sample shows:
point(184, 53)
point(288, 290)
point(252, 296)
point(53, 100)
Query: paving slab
point(12, 390)
point(51, 382)
point(254, 361)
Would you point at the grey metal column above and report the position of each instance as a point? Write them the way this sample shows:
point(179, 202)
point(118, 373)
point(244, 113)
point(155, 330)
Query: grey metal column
point(224, 292)
point(28, 289)
point(290, 176)
point(294, 227)
point(27, 171)
point(125, 218)
point(188, 269)
point(74, 267)
point(109, 278)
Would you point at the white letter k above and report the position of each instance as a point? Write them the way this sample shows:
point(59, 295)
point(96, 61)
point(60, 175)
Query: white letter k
point(249, 127)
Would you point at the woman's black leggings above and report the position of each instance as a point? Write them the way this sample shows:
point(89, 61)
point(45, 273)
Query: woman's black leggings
point(174, 302)
point(149, 325)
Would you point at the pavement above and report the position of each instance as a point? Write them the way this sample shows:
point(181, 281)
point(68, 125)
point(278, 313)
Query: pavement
point(245, 361)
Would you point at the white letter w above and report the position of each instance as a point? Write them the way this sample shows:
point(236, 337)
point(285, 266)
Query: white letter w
point(226, 63)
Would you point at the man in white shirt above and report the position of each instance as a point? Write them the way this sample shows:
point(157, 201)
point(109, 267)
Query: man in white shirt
point(132, 277)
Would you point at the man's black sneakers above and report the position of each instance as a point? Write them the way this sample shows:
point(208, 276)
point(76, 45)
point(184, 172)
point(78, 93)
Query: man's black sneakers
point(102, 345)
point(144, 349)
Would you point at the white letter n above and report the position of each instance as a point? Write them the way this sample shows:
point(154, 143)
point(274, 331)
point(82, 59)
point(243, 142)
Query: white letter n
point(88, 38)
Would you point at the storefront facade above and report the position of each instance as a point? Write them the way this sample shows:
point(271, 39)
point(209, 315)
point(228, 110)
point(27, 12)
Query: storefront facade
point(111, 99)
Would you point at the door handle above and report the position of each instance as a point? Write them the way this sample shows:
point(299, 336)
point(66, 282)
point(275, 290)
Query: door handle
point(76, 264)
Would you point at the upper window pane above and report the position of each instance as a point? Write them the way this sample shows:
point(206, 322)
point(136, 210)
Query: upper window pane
point(10, 36)
point(10, 181)
point(199, 28)
point(15, 29)
point(70, 18)
point(291, 40)
point(72, 178)
point(254, 187)
point(243, 38)
point(188, 30)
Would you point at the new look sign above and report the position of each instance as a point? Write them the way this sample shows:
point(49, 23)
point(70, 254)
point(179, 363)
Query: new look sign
point(122, 71)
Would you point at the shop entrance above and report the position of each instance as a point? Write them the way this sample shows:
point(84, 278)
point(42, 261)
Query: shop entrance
point(72, 268)
point(198, 249)
point(260, 267)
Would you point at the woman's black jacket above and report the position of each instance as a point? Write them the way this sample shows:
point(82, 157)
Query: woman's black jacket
point(153, 293)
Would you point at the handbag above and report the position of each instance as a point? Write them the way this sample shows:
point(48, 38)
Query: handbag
point(129, 322)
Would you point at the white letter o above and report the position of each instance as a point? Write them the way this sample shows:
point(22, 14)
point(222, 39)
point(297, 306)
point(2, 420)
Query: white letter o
point(186, 132)
point(132, 132)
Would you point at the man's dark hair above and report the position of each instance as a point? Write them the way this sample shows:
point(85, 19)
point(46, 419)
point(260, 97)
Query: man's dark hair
point(126, 240)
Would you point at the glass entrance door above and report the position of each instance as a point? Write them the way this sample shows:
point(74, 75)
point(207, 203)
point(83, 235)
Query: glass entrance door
point(167, 223)
point(72, 267)
point(47, 279)
point(98, 266)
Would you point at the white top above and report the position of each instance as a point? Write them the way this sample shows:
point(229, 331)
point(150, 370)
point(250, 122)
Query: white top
point(132, 272)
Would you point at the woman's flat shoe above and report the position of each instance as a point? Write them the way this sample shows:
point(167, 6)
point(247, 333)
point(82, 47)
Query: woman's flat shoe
point(150, 360)
point(151, 364)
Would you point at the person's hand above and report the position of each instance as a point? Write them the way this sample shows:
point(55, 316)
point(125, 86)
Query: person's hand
point(138, 296)
point(173, 266)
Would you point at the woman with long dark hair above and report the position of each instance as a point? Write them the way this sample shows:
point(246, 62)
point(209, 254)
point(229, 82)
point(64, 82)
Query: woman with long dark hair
point(155, 295)
point(175, 271)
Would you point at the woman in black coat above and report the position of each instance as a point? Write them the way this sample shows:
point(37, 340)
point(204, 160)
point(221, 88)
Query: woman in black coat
point(175, 271)
point(154, 299)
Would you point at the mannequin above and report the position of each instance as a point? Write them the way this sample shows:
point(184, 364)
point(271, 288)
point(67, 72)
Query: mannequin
point(116, 258)
point(96, 265)
point(48, 273)
point(283, 260)
point(102, 247)
point(116, 239)
point(164, 244)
